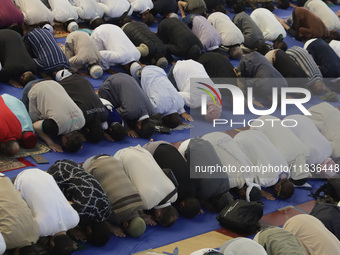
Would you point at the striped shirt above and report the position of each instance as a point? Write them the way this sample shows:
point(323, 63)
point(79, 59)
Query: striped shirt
point(48, 54)
point(307, 64)
point(126, 202)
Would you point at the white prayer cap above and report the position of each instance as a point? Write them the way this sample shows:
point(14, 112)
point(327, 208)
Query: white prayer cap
point(242, 246)
point(96, 71)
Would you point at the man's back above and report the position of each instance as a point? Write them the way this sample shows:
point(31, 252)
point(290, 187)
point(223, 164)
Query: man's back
point(126, 95)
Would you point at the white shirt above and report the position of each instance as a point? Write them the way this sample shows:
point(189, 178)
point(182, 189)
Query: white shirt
point(230, 154)
point(328, 17)
point(151, 182)
point(327, 118)
point(34, 11)
point(318, 146)
point(183, 71)
point(268, 24)
point(49, 206)
point(334, 44)
point(88, 9)
point(230, 33)
point(293, 150)
point(162, 94)
point(114, 46)
point(115, 8)
point(141, 5)
point(262, 153)
point(63, 10)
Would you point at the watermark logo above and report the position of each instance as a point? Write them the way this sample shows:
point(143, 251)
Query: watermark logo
point(239, 105)
point(209, 93)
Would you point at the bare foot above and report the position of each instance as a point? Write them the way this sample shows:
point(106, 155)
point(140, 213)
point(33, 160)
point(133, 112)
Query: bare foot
point(15, 84)
point(187, 116)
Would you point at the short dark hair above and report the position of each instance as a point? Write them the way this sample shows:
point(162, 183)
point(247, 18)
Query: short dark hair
point(147, 128)
point(168, 216)
point(94, 133)
point(11, 148)
point(268, 5)
point(283, 4)
point(17, 28)
point(148, 18)
point(26, 77)
point(287, 189)
point(100, 234)
point(117, 131)
point(74, 142)
point(172, 120)
point(255, 194)
point(28, 250)
point(280, 45)
point(126, 19)
point(220, 201)
point(235, 52)
point(263, 48)
point(220, 8)
point(238, 6)
point(194, 52)
point(97, 22)
point(63, 245)
point(191, 207)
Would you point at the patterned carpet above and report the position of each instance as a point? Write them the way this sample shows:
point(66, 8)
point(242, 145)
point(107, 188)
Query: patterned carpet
point(8, 164)
point(18, 161)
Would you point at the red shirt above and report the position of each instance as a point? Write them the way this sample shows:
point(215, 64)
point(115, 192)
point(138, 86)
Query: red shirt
point(10, 127)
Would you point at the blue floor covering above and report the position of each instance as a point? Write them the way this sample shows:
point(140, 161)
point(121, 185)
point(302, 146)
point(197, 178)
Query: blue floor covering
point(183, 228)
